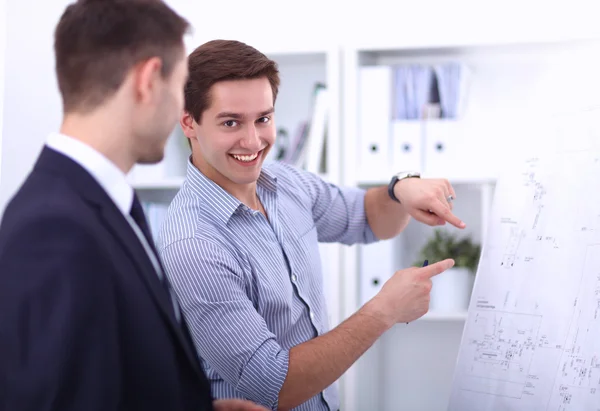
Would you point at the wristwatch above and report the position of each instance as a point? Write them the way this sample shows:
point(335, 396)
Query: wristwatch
point(400, 176)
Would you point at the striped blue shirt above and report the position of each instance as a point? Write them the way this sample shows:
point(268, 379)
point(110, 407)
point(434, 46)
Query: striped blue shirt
point(251, 287)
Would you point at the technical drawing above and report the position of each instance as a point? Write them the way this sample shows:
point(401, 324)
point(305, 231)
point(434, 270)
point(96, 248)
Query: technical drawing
point(578, 378)
point(508, 259)
point(531, 341)
point(501, 346)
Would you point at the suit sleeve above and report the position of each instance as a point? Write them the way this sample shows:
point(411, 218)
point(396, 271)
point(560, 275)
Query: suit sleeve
point(58, 339)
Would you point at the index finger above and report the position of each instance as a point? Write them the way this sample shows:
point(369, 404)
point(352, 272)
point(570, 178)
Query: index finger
point(443, 211)
point(437, 268)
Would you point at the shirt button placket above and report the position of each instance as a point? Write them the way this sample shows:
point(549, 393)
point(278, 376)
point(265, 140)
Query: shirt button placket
point(311, 313)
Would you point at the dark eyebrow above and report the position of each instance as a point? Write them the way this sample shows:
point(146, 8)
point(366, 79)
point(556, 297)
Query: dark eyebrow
point(237, 116)
point(229, 115)
point(267, 112)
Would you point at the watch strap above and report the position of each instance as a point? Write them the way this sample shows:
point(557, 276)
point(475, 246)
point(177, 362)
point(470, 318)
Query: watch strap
point(391, 189)
point(398, 177)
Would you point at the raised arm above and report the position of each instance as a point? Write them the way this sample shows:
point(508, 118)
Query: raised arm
point(235, 341)
point(426, 200)
point(316, 364)
point(338, 212)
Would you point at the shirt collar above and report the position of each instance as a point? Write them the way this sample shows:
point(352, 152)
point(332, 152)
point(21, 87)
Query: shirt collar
point(106, 173)
point(217, 202)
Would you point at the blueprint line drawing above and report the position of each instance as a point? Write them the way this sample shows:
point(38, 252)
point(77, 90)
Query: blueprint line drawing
point(501, 348)
point(531, 340)
point(512, 247)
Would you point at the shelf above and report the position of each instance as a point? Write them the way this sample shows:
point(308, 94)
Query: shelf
point(171, 183)
point(298, 57)
point(373, 182)
point(444, 316)
point(471, 45)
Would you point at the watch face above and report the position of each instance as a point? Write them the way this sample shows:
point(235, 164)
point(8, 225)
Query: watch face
point(406, 174)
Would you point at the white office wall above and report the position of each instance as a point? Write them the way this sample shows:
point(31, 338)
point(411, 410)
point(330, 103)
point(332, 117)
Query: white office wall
point(269, 25)
point(31, 106)
point(423, 22)
point(278, 25)
point(2, 48)
point(31, 100)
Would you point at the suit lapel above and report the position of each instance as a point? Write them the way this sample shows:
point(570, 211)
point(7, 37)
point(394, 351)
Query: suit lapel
point(114, 220)
point(131, 244)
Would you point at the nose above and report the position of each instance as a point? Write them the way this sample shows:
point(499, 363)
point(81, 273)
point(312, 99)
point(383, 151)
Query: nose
point(251, 139)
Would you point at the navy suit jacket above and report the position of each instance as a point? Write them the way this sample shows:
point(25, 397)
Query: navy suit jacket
point(85, 323)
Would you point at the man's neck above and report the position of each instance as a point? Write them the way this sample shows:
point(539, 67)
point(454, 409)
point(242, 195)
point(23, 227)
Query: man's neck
point(105, 136)
point(247, 195)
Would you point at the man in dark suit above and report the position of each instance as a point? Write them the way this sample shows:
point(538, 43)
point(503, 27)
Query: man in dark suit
point(87, 318)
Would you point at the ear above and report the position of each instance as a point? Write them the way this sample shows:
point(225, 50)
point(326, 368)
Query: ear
point(148, 76)
point(187, 125)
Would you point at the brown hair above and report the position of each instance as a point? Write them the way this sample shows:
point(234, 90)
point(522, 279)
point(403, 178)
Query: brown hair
point(221, 60)
point(97, 42)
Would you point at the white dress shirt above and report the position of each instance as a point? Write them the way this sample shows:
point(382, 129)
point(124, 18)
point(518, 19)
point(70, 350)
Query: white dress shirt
point(114, 182)
point(106, 173)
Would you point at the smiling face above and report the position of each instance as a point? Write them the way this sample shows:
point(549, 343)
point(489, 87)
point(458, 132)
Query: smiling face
point(235, 133)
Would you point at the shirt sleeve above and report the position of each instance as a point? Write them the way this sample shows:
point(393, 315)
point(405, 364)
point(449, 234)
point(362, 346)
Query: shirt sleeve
point(339, 212)
point(228, 332)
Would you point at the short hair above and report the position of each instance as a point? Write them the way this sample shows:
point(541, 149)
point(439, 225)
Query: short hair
point(97, 42)
point(221, 60)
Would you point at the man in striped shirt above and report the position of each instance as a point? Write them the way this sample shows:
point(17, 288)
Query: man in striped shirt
point(240, 243)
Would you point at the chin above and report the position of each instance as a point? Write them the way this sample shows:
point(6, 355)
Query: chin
point(151, 158)
point(245, 179)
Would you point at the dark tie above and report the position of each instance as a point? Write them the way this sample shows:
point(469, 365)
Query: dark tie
point(137, 213)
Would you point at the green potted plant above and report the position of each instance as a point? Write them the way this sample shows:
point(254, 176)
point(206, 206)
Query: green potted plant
point(444, 245)
point(452, 289)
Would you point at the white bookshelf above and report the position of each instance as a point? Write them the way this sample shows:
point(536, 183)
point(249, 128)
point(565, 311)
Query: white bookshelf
point(168, 183)
point(512, 85)
point(170, 172)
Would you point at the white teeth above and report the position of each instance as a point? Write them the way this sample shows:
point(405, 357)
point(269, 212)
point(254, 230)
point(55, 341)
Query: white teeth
point(245, 158)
